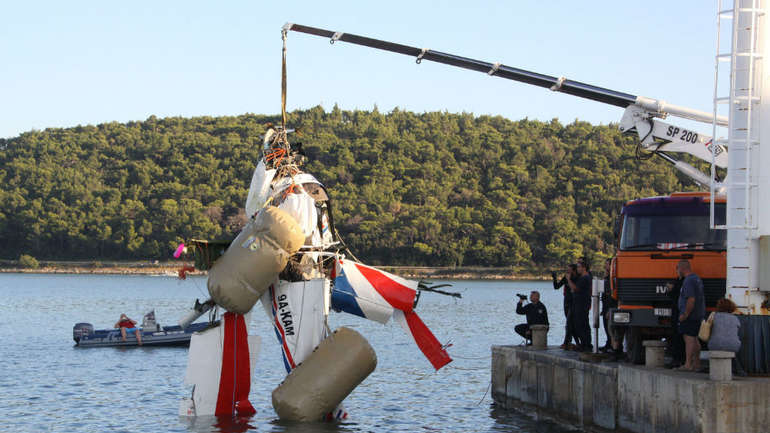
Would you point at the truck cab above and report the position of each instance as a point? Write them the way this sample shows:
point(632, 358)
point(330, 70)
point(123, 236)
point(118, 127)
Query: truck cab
point(652, 235)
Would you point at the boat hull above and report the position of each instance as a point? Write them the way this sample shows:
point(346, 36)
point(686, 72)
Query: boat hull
point(165, 336)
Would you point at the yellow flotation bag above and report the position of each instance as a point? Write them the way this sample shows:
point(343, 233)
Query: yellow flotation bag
point(254, 259)
point(320, 383)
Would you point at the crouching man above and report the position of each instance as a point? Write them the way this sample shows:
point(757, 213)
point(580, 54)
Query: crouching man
point(535, 312)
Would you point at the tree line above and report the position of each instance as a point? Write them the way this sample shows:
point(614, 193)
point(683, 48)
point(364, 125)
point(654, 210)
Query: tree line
point(420, 189)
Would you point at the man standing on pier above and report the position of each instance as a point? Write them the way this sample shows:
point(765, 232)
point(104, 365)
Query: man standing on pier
point(692, 309)
point(581, 304)
point(535, 311)
point(608, 303)
point(569, 328)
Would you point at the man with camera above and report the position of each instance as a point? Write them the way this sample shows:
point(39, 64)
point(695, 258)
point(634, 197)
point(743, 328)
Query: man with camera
point(569, 327)
point(581, 304)
point(535, 312)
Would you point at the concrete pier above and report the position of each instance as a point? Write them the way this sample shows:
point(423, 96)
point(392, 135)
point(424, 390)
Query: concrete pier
point(625, 397)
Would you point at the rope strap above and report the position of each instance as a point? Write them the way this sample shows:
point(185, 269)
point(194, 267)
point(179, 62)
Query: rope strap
point(422, 53)
point(556, 87)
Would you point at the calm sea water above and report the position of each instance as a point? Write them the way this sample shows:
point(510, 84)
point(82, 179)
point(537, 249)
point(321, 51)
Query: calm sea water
point(49, 385)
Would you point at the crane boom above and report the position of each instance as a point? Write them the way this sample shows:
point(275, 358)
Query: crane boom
point(558, 84)
point(641, 113)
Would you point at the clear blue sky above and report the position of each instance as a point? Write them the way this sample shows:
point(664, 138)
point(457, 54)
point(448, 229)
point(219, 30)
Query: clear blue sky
point(68, 63)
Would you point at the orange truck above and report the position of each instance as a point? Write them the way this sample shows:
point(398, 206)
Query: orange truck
point(652, 235)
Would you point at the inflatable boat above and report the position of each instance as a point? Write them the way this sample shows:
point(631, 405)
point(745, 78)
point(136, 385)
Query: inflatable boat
point(152, 334)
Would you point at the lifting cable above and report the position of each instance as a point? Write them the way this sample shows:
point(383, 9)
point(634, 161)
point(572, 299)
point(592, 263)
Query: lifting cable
point(284, 33)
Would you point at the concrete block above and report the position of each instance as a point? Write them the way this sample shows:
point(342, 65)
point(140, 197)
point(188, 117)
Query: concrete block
point(528, 381)
point(578, 393)
point(625, 397)
point(605, 400)
point(721, 365)
point(562, 396)
point(503, 364)
point(513, 387)
point(653, 353)
point(545, 386)
point(539, 336)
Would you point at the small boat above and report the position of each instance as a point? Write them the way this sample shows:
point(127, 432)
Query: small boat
point(152, 334)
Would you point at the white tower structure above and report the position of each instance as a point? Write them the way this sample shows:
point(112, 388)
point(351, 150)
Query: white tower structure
point(748, 173)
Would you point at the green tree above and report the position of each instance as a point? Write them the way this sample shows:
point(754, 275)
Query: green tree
point(406, 188)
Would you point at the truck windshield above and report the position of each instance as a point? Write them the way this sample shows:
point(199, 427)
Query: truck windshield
point(665, 230)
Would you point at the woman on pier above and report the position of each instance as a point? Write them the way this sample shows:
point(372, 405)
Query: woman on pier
point(726, 328)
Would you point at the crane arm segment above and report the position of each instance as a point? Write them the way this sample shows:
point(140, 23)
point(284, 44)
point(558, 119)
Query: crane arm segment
point(641, 113)
point(563, 85)
point(655, 107)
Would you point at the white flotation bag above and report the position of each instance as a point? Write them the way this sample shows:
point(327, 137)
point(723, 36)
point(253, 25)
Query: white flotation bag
point(325, 378)
point(254, 259)
point(302, 207)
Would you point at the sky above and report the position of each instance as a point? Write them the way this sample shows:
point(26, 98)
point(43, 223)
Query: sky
point(64, 64)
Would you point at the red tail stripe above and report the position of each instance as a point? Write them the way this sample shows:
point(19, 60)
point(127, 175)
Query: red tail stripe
point(234, 380)
point(398, 295)
point(426, 341)
point(242, 370)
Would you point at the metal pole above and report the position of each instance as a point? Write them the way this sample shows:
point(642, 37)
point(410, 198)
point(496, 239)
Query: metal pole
point(597, 286)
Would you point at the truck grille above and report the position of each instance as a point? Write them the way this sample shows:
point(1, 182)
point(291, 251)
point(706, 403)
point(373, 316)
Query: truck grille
point(643, 291)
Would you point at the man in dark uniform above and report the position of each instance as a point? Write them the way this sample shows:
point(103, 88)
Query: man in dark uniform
point(569, 327)
point(607, 303)
point(675, 346)
point(536, 315)
point(581, 299)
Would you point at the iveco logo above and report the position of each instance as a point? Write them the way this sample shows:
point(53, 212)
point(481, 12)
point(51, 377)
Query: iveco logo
point(661, 289)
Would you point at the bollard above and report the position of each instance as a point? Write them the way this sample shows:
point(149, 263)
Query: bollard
point(539, 336)
point(721, 365)
point(653, 353)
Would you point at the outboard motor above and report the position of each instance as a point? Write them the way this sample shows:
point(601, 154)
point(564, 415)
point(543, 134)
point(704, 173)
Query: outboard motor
point(80, 330)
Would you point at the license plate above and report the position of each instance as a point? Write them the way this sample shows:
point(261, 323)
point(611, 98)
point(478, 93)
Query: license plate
point(662, 312)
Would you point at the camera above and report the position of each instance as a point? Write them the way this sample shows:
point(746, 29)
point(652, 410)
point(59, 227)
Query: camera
point(522, 297)
point(553, 275)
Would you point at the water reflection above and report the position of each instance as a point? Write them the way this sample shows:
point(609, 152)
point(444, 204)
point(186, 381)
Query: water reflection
point(526, 420)
point(217, 424)
point(239, 424)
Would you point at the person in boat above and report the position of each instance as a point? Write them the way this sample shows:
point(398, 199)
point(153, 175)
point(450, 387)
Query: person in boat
point(535, 312)
point(127, 325)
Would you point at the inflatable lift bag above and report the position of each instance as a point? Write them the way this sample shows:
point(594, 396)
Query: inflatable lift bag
point(253, 260)
point(313, 389)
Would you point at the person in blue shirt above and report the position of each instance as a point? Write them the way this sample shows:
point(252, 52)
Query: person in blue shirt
point(692, 310)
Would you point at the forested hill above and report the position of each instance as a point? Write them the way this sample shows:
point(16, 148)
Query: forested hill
point(434, 189)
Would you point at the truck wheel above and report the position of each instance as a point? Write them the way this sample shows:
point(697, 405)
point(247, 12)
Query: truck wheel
point(635, 347)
